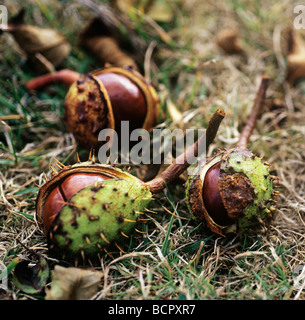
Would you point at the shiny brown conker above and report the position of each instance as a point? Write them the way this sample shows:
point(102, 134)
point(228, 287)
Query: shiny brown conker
point(127, 100)
point(63, 191)
point(212, 198)
point(103, 99)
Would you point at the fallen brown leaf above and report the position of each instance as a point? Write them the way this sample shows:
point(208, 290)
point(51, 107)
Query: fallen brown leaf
point(73, 284)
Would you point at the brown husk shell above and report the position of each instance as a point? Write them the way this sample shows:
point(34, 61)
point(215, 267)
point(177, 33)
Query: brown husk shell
point(88, 110)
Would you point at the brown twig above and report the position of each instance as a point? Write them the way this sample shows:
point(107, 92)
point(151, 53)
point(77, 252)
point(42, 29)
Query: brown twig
point(258, 103)
point(65, 76)
point(181, 162)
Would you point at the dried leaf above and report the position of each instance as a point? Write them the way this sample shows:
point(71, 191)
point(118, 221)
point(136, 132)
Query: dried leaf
point(73, 284)
point(31, 278)
point(107, 50)
point(45, 48)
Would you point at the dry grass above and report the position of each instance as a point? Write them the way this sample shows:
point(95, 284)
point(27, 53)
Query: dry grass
point(175, 259)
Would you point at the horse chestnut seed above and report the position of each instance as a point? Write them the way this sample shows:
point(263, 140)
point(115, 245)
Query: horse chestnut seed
point(103, 99)
point(233, 191)
point(212, 197)
point(64, 191)
point(127, 100)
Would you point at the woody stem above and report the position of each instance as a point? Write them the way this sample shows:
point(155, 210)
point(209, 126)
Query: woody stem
point(258, 103)
point(181, 162)
point(65, 76)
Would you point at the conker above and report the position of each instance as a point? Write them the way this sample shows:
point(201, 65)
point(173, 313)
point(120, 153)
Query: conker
point(64, 191)
point(233, 190)
point(103, 99)
point(212, 197)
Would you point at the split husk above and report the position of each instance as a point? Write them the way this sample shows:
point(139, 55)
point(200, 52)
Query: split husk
point(241, 198)
point(103, 215)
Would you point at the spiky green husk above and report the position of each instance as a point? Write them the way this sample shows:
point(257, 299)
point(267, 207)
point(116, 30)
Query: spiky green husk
point(246, 188)
point(245, 162)
point(98, 218)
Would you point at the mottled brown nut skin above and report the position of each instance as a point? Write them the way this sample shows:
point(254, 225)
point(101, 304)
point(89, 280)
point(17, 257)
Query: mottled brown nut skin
point(105, 98)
